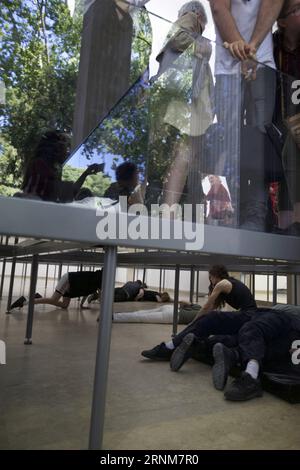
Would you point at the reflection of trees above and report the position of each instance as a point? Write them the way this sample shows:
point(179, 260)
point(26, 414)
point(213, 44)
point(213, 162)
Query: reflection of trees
point(141, 42)
point(137, 129)
point(39, 59)
point(124, 133)
point(39, 55)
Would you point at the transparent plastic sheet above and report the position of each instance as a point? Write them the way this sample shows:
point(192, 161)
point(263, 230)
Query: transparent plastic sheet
point(195, 137)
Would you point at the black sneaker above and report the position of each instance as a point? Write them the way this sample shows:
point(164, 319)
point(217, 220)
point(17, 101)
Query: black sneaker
point(244, 388)
point(182, 353)
point(19, 303)
point(225, 359)
point(158, 353)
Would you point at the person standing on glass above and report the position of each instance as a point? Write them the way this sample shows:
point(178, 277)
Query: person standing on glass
point(245, 90)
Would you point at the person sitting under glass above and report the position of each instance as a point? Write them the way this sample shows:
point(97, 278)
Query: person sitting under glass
point(126, 184)
point(43, 173)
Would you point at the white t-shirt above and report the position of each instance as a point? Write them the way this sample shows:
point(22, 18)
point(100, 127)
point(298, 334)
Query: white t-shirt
point(245, 14)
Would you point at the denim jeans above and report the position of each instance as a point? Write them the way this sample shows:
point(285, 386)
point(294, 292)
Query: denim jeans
point(240, 102)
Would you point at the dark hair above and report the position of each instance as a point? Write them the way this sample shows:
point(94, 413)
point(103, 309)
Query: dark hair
point(284, 9)
point(51, 147)
point(219, 270)
point(126, 171)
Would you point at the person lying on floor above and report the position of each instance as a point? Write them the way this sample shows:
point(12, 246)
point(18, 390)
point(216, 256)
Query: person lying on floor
point(255, 330)
point(131, 291)
point(267, 336)
point(71, 285)
point(154, 296)
point(210, 321)
point(143, 294)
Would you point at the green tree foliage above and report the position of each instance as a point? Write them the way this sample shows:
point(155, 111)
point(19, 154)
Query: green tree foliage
point(141, 43)
point(137, 129)
point(9, 166)
point(39, 59)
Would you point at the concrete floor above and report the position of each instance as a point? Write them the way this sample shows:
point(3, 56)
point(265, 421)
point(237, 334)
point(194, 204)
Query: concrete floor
point(45, 392)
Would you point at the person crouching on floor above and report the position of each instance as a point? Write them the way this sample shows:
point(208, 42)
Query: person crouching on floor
point(71, 285)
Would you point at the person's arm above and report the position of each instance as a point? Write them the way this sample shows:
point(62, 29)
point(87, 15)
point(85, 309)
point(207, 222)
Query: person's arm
point(140, 295)
point(91, 170)
point(267, 15)
point(223, 287)
point(136, 197)
point(221, 11)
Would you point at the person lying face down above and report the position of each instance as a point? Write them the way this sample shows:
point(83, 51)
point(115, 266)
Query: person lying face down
point(268, 336)
point(209, 321)
point(154, 296)
point(131, 291)
point(134, 291)
point(255, 330)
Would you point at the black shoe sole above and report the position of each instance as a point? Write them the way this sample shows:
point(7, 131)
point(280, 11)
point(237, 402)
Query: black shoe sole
point(179, 355)
point(219, 370)
point(19, 303)
point(155, 358)
point(257, 394)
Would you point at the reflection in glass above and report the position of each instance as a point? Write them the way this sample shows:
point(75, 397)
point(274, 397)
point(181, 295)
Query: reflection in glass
point(192, 136)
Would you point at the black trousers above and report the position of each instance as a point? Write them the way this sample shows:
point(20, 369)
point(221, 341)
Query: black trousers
point(266, 336)
point(120, 295)
point(215, 323)
point(260, 334)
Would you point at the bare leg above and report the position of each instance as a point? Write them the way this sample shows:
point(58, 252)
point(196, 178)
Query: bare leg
point(176, 178)
point(54, 300)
